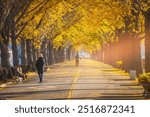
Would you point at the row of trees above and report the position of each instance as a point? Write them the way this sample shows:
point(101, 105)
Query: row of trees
point(126, 44)
point(112, 28)
point(34, 25)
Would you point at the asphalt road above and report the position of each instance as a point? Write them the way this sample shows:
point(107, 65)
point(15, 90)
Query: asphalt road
point(91, 80)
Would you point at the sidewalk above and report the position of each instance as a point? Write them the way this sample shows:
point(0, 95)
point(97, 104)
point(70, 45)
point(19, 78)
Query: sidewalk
point(14, 81)
point(30, 75)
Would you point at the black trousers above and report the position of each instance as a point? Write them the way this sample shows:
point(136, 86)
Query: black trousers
point(40, 73)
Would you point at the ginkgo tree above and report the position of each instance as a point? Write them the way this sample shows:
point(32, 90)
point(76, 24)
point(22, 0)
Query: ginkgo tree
point(51, 26)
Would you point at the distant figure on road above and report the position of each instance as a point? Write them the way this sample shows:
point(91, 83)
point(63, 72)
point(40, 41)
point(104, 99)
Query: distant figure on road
point(40, 67)
point(77, 60)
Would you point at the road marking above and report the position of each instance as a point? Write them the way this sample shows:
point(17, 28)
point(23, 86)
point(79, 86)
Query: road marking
point(71, 92)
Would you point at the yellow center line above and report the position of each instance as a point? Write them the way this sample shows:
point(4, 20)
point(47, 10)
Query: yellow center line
point(71, 92)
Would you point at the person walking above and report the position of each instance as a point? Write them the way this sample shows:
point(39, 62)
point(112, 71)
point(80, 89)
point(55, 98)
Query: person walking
point(77, 60)
point(40, 67)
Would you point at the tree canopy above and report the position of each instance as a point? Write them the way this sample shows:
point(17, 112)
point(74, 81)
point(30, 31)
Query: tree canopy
point(92, 23)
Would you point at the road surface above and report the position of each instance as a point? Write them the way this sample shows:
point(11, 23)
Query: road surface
point(91, 80)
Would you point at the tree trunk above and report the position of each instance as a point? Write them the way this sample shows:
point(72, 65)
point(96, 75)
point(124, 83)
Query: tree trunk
point(50, 54)
point(4, 55)
point(23, 52)
point(131, 53)
point(29, 51)
point(44, 51)
point(55, 55)
point(61, 54)
point(137, 58)
point(102, 54)
point(14, 48)
point(115, 53)
point(128, 58)
point(58, 53)
point(147, 40)
point(45, 56)
point(34, 57)
point(34, 54)
point(68, 53)
point(53, 58)
point(111, 54)
point(106, 55)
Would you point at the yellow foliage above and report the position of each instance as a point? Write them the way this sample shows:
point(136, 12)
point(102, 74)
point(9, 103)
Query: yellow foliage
point(87, 23)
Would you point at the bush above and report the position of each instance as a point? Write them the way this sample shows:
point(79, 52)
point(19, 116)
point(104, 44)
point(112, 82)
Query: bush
point(119, 64)
point(144, 78)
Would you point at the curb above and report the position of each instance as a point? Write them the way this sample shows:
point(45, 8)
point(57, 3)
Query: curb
point(7, 84)
point(4, 85)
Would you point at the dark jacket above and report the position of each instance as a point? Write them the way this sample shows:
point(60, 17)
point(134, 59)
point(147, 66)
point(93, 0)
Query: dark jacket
point(40, 64)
